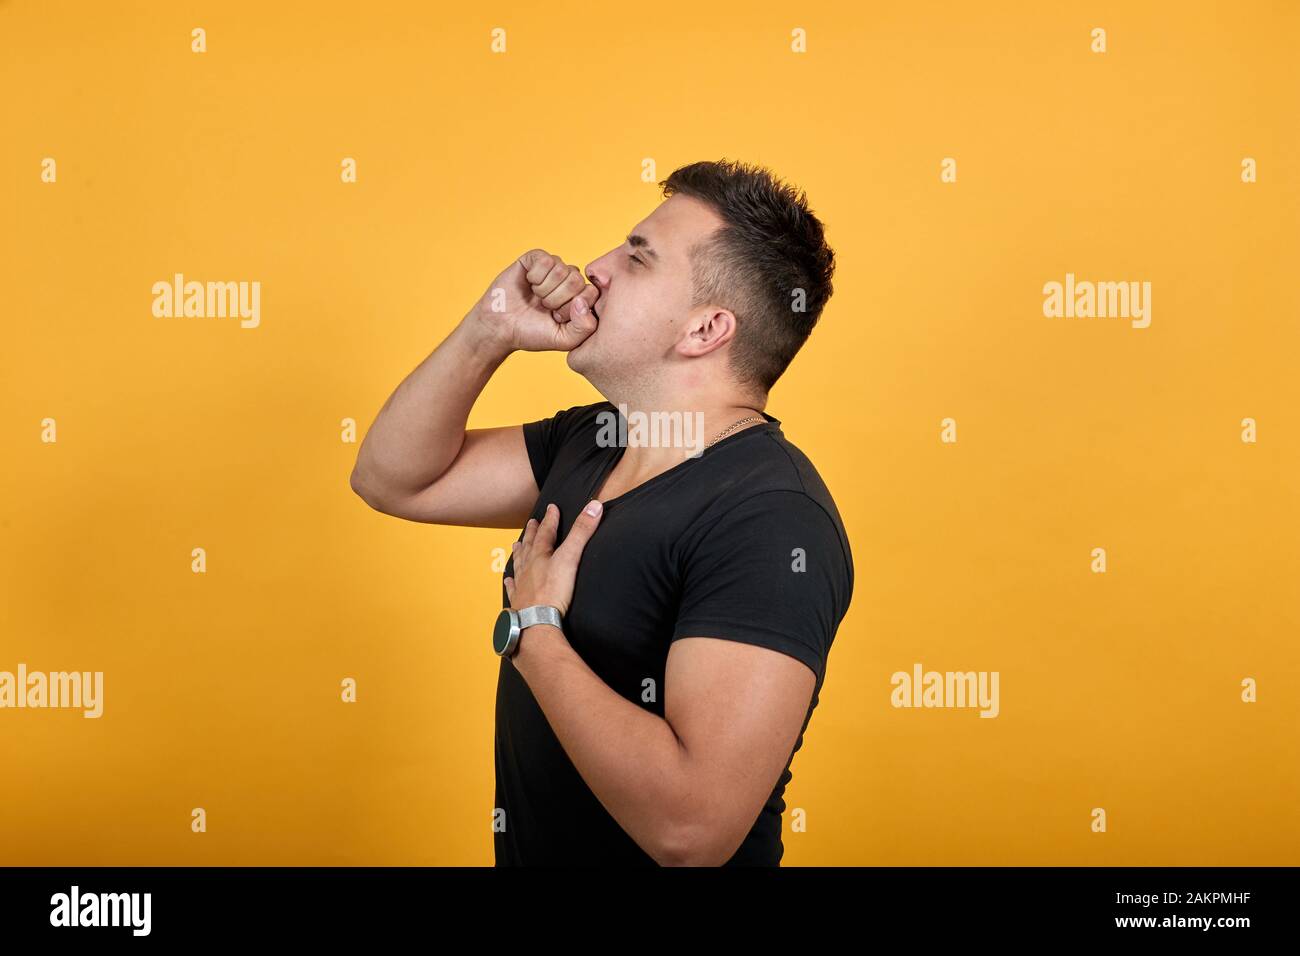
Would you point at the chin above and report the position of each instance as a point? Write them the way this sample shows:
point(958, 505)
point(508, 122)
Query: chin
point(583, 365)
point(580, 355)
point(576, 362)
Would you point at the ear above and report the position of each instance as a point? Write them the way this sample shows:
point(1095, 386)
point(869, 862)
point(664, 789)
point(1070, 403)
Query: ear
point(709, 328)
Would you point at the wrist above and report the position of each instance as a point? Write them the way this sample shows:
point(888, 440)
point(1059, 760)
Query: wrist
point(483, 340)
point(536, 643)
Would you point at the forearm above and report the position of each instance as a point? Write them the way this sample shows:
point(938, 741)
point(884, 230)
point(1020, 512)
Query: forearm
point(629, 757)
point(421, 427)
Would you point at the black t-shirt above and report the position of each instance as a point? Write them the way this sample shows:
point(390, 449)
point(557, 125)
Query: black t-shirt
point(706, 548)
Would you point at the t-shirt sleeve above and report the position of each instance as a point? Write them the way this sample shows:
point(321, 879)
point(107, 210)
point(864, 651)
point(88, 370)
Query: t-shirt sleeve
point(544, 437)
point(773, 572)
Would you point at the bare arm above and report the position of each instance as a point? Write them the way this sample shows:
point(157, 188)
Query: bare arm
point(687, 787)
point(417, 461)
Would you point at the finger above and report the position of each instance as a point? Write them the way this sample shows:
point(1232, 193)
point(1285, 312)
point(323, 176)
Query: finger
point(569, 286)
point(584, 526)
point(510, 590)
point(544, 542)
point(517, 557)
point(576, 319)
point(579, 307)
point(555, 279)
point(537, 264)
point(530, 531)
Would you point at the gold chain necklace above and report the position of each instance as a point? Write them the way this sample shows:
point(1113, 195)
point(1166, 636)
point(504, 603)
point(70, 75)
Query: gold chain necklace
point(733, 427)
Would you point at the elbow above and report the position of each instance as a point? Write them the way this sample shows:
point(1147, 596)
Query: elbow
point(697, 829)
point(696, 844)
point(363, 490)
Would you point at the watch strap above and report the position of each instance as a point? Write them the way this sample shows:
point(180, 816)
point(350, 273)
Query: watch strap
point(539, 614)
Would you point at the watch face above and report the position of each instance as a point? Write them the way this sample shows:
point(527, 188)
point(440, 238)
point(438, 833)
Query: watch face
point(501, 632)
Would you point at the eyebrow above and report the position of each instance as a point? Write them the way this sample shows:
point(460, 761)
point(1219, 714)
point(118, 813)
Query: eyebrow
point(641, 242)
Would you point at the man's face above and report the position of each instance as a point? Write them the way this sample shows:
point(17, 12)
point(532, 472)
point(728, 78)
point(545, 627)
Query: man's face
point(645, 297)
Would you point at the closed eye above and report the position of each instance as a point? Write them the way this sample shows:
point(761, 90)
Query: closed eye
point(635, 259)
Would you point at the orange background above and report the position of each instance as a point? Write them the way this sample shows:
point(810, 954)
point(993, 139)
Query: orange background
point(1118, 690)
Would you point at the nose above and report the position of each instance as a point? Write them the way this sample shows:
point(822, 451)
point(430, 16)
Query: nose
point(597, 275)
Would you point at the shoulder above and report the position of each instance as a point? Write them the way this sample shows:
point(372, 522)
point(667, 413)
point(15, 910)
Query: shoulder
point(555, 439)
point(766, 561)
point(577, 416)
point(767, 487)
point(575, 423)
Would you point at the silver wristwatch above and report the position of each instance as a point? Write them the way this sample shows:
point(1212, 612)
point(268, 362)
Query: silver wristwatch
point(510, 624)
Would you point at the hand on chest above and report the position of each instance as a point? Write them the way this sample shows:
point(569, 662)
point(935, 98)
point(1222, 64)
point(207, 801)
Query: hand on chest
point(626, 593)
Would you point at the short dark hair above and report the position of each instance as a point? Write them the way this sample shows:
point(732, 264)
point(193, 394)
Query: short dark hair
point(768, 262)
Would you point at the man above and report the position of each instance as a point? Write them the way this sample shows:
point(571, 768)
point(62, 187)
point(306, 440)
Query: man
point(657, 722)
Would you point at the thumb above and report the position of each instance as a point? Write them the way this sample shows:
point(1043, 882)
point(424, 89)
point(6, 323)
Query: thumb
point(584, 526)
point(577, 321)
